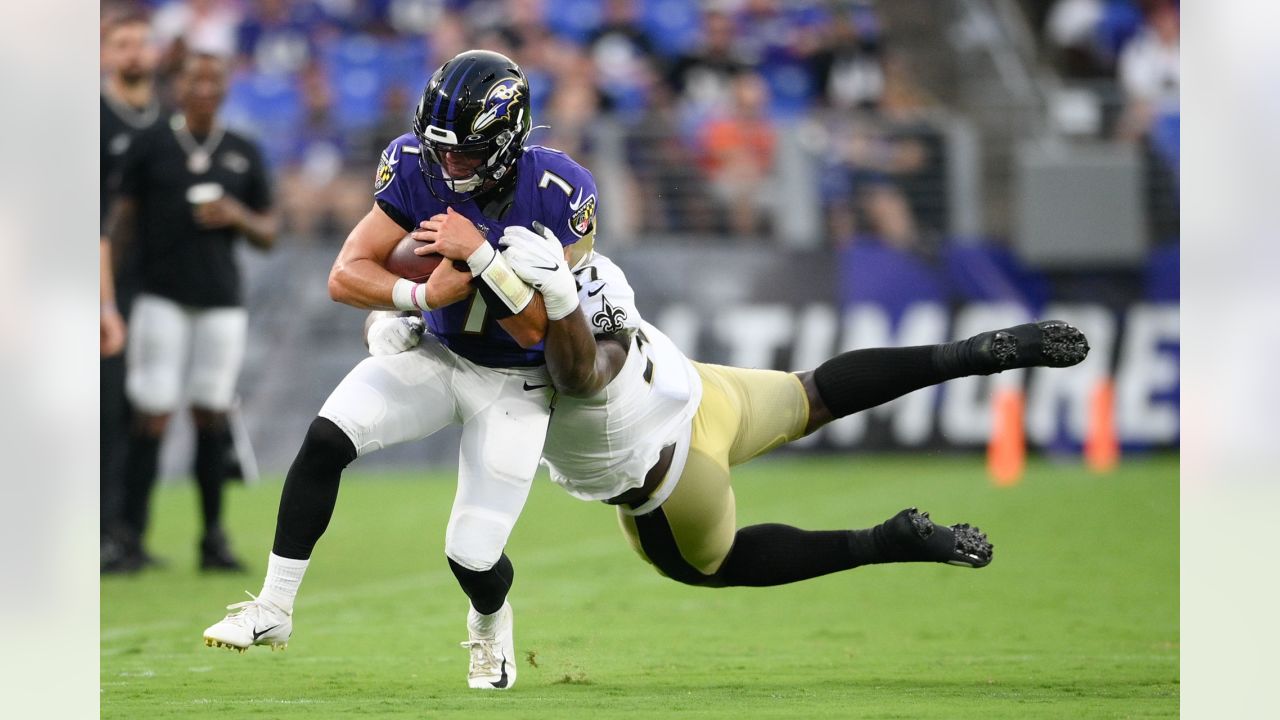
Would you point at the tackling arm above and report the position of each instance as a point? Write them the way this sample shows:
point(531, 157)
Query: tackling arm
point(580, 366)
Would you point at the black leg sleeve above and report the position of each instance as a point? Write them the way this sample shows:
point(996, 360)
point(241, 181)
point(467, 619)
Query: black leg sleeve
point(487, 589)
point(773, 554)
point(311, 489)
point(765, 555)
point(140, 476)
point(211, 473)
point(860, 379)
point(113, 438)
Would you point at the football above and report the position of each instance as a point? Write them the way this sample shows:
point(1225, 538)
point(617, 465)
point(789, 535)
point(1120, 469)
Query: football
point(403, 262)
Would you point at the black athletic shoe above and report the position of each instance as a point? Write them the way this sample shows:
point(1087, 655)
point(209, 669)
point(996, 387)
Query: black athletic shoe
point(216, 555)
point(122, 554)
point(919, 538)
point(1050, 343)
point(124, 563)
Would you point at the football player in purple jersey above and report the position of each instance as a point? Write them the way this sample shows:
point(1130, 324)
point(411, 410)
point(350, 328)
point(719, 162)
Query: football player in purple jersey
point(457, 181)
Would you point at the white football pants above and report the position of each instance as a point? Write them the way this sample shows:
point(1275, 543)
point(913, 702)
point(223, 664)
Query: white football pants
point(164, 337)
point(503, 412)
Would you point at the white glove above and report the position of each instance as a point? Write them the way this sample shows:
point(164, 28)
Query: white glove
point(538, 259)
point(393, 335)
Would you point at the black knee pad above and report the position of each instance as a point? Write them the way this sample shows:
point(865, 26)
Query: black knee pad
point(325, 442)
point(487, 589)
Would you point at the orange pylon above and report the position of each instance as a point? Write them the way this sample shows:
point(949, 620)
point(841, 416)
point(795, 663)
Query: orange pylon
point(1101, 443)
point(1007, 449)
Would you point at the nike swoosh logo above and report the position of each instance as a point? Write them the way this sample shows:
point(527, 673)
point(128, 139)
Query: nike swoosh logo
point(394, 158)
point(553, 268)
point(577, 203)
point(259, 633)
point(593, 293)
point(502, 681)
point(527, 386)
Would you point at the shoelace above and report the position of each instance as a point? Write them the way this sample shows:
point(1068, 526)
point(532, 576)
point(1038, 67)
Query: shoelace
point(483, 661)
point(241, 609)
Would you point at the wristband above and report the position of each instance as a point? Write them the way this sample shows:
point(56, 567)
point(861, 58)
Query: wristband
point(410, 296)
point(557, 310)
point(491, 267)
point(480, 258)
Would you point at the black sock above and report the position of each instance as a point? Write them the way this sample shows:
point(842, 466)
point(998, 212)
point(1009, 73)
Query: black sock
point(311, 489)
point(860, 379)
point(113, 438)
point(487, 589)
point(764, 555)
point(139, 478)
point(772, 554)
point(211, 473)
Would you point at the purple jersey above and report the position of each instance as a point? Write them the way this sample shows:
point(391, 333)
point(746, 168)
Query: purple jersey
point(550, 188)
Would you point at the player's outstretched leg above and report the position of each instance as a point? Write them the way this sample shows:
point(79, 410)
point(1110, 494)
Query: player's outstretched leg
point(306, 505)
point(767, 555)
point(861, 379)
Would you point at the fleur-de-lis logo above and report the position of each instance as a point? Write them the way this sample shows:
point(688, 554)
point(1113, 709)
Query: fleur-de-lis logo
point(609, 318)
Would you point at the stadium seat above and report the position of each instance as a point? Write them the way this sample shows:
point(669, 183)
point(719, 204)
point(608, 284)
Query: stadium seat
point(674, 26)
point(791, 87)
point(360, 68)
point(265, 106)
point(574, 19)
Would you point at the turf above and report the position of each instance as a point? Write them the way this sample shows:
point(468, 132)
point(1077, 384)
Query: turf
point(1076, 617)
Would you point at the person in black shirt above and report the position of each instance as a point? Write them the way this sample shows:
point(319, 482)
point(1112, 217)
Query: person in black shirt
point(703, 79)
point(188, 189)
point(129, 106)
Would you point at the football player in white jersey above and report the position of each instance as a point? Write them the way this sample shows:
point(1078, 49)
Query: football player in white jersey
point(640, 426)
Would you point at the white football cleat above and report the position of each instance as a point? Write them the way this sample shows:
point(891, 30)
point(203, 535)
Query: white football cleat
point(493, 656)
point(252, 622)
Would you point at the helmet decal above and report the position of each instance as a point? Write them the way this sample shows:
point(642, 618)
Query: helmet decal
point(498, 103)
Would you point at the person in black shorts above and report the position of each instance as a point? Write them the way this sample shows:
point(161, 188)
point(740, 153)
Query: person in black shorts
point(188, 190)
point(129, 107)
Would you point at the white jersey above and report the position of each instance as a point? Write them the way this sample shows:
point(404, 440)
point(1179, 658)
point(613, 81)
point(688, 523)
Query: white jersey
point(602, 446)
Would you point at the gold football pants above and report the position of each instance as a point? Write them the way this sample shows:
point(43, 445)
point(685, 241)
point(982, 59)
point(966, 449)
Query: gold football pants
point(743, 414)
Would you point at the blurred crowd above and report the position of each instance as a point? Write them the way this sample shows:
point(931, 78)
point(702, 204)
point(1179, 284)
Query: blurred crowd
point(687, 110)
point(696, 98)
point(1127, 53)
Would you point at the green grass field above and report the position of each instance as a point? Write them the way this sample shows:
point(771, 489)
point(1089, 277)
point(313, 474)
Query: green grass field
point(1076, 617)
